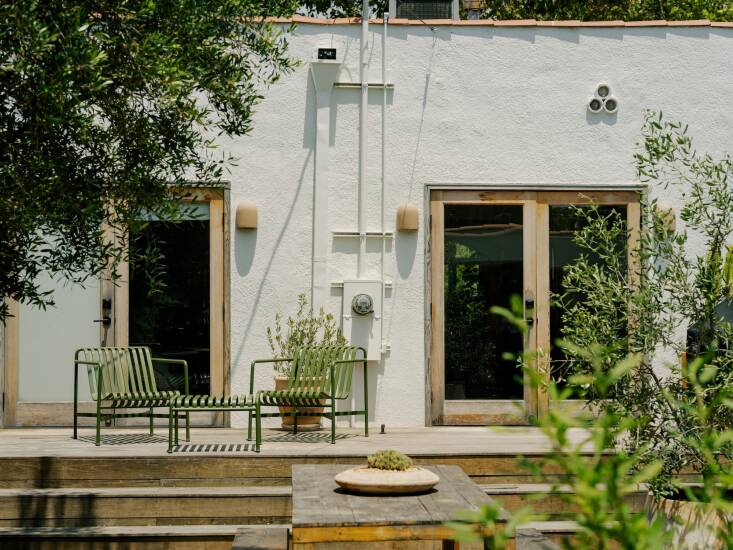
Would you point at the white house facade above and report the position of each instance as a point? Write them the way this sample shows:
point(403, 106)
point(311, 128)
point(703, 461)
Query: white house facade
point(485, 130)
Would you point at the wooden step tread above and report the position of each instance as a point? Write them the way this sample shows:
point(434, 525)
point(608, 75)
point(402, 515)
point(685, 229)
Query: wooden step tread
point(132, 531)
point(550, 527)
point(153, 492)
point(534, 488)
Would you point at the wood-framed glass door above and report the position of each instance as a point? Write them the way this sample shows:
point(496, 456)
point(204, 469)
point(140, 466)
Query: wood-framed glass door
point(485, 247)
point(39, 345)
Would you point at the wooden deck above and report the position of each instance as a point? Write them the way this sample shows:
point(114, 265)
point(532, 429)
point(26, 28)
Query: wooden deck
point(57, 492)
point(136, 442)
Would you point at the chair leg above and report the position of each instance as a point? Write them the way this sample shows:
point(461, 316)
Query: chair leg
point(295, 420)
point(249, 426)
point(151, 420)
point(188, 427)
point(333, 421)
point(175, 427)
point(258, 427)
point(170, 429)
point(98, 437)
point(76, 423)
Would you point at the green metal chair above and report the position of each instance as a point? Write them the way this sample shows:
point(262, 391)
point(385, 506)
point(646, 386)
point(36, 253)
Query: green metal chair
point(319, 376)
point(123, 378)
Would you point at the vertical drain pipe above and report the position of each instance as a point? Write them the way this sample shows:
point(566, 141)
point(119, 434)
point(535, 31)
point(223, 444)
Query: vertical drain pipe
point(381, 192)
point(364, 76)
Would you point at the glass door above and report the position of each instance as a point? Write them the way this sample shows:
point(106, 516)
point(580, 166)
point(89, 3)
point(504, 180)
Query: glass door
point(485, 259)
point(485, 247)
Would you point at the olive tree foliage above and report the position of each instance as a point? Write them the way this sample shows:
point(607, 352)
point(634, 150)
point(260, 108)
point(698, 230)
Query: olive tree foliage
point(677, 277)
point(548, 10)
point(106, 109)
point(608, 10)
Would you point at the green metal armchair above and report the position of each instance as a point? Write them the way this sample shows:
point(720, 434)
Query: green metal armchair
point(319, 376)
point(123, 378)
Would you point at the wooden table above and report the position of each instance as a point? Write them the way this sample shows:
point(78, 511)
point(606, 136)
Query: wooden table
point(323, 513)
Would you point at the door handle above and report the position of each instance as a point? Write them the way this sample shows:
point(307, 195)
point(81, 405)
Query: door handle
point(106, 321)
point(529, 311)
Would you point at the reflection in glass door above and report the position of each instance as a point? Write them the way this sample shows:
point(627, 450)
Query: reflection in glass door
point(169, 299)
point(564, 221)
point(483, 268)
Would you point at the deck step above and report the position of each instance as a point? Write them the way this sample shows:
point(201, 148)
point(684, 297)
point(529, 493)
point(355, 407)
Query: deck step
point(545, 498)
point(164, 506)
point(552, 532)
point(110, 506)
point(181, 470)
point(181, 537)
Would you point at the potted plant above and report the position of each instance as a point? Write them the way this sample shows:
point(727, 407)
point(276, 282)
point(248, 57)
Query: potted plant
point(387, 472)
point(677, 278)
point(306, 328)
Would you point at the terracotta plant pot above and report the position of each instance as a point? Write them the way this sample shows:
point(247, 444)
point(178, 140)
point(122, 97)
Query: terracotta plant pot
point(363, 479)
point(693, 525)
point(305, 423)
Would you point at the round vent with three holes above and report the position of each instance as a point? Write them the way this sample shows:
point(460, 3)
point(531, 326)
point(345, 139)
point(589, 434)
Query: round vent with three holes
point(603, 100)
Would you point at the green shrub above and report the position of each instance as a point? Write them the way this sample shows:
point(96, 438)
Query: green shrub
point(389, 460)
point(305, 329)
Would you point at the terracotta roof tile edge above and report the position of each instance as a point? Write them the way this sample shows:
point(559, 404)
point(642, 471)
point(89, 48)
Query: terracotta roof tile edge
point(501, 23)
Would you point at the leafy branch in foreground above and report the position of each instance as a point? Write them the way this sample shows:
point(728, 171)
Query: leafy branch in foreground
point(597, 476)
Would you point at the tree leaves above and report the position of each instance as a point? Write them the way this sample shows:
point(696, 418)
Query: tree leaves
point(106, 110)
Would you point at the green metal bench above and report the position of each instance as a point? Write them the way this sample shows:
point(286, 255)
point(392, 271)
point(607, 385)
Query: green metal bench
point(123, 378)
point(319, 376)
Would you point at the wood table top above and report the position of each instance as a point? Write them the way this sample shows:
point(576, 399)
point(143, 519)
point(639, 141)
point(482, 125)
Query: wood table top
point(319, 502)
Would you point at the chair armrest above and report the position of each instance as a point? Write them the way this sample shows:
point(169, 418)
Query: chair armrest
point(260, 362)
point(95, 364)
point(340, 362)
point(181, 362)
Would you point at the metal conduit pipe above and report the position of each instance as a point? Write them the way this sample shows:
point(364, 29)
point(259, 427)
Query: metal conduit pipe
point(363, 77)
point(384, 158)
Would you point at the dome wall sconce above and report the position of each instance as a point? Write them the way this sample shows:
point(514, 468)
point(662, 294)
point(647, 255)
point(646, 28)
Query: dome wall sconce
point(407, 217)
point(246, 215)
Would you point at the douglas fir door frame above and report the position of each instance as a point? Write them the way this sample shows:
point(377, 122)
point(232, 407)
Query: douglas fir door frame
point(536, 263)
point(117, 334)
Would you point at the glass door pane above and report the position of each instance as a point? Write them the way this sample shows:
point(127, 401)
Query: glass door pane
point(169, 300)
point(483, 251)
point(564, 222)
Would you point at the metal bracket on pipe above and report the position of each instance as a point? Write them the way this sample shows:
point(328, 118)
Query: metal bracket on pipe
point(340, 284)
point(357, 85)
point(368, 234)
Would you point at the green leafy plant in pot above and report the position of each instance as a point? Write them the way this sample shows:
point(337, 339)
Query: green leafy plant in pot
point(306, 328)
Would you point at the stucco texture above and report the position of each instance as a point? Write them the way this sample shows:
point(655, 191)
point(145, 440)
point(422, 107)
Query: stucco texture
point(471, 106)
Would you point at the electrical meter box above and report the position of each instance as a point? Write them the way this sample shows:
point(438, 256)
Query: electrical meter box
point(362, 316)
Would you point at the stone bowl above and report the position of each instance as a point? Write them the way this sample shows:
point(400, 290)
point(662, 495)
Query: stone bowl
point(373, 481)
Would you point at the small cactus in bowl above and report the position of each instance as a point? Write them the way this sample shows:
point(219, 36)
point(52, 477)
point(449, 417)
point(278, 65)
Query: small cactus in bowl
point(389, 460)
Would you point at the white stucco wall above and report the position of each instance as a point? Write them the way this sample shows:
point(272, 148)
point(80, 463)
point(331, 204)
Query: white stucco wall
point(471, 106)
